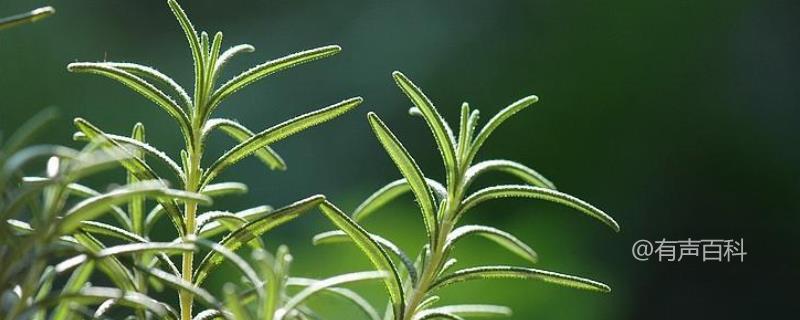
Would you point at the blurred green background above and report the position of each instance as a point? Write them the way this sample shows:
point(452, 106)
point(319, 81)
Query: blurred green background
point(679, 118)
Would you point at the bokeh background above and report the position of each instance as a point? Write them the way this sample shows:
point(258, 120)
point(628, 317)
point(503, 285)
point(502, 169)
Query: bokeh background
point(679, 118)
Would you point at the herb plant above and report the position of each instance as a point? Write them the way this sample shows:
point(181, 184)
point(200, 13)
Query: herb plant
point(443, 205)
point(193, 115)
point(59, 235)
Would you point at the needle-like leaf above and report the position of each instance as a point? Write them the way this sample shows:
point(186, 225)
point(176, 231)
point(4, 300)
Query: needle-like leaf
point(27, 17)
point(474, 310)
point(390, 192)
point(504, 239)
point(321, 285)
point(153, 74)
point(223, 189)
point(140, 146)
point(180, 284)
point(338, 236)
point(277, 133)
point(347, 294)
point(137, 167)
point(441, 132)
point(74, 284)
point(267, 68)
point(224, 253)
point(527, 175)
point(92, 207)
point(507, 272)
point(251, 230)
point(239, 132)
point(495, 122)
point(408, 167)
point(374, 252)
point(194, 44)
point(230, 53)
point(214, 227)
point(98, 295)
point(521, 191)
point(140, 86)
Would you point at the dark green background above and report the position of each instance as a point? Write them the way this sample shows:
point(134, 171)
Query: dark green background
point(679, 118)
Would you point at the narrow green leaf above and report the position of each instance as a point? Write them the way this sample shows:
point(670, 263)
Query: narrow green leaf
point(239, 132)
point(474, 310)
point(233, 304)
point(519, 170)
point(374, 252)
point(441, 132)
point(428, 314)
point(111, 266)
point(495, 122)
point(227, 219)
point(128, 298)
point(213, 228)
point(223, 253)
point(138, 167)
point(76, 281)
point(277, 133)
point(194, 44)
point(27, 131)
point(390, 192)
point(95, 227)
point(94, 206)
point(103, 308)
point(409, 169)
point(27, 17)
point(153, 74)
point(223, 189)
point(209, 314)
point(213, 55)
point(83, 191)
point(272, 280)
point(463, 139)
point(338, 236)
point(140, 147)
point(521, 191)
point(162, 247)
point(267, 68)
point(136, 205)
point(182, 285)
point(230, 53)
point(472, 123)
point(504, 239)
point(427, 302)
point(347, 294)
point(251, 230)
point(321, 285)
point(140, 86)
point(507, 272)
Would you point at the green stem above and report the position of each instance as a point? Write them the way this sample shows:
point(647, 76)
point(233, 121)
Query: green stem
point(193, 175)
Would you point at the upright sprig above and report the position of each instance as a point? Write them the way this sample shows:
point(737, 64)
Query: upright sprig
point(193, 116)
point(45, 234)
point(443, 205)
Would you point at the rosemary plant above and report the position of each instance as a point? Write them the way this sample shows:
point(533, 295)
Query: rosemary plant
point(443, 205)
point(55, 228)
point(193, 116)
point(52, 232)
